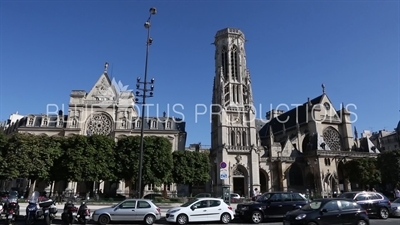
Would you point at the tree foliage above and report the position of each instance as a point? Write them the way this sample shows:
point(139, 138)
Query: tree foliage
point(389, 166)
point(363, 171)
point(3, 166)
point(88, 158)
point(126, 156)
point(157, 160)
point(190, 168)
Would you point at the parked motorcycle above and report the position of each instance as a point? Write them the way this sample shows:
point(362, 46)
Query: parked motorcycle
point(83, 213)
point(11, 208)
point(48, 211)
point(32, 208)
point(70, 212)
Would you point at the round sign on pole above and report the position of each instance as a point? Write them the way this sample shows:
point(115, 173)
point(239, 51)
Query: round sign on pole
point(222, 165)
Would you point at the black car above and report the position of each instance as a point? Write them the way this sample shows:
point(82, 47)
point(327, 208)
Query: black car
point(270, 205)
point(328, 211)
point(376, 204)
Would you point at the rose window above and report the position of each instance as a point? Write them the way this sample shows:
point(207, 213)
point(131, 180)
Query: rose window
point(332, 139)
point(99, 124)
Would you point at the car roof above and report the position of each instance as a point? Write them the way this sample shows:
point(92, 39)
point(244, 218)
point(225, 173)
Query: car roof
point(209, 198)
point(331, 199)
point(281, 192)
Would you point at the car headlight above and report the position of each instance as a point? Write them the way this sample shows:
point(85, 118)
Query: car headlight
point(301, 216)
point(174, 211)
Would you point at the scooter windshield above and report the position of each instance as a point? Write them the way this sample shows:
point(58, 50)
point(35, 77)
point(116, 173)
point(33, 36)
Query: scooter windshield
point(34, 197)
point(13, 197)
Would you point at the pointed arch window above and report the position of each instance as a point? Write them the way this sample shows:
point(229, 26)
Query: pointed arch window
point(237, 93)
point(138, 124)
point(238, 139)
point(224, 62)
point(332, 138)
point(234, 63)
point(233, 138)
point(244, 138)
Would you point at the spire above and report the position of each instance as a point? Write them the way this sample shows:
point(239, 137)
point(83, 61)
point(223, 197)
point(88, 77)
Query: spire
point(105, 68)
point(355, 133)
point(323, 88)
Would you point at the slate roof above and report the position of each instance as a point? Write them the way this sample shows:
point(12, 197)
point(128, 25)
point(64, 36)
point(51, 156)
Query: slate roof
point(294, 116)
point(161, 123)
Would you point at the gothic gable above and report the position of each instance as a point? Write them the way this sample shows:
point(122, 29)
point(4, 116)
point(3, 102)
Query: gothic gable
point(103, 90)
point(327, 112)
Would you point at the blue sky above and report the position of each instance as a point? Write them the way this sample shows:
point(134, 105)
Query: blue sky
point(49, 48)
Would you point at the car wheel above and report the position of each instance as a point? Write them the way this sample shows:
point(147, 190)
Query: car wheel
point(104, 220)
point(149, 219)
point(225, 218)
point(182, 219)
point(383, 213)
point(362, 222)
point(257, 217)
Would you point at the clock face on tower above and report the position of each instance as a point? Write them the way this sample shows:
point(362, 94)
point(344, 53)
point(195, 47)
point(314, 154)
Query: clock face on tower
point(327, 106)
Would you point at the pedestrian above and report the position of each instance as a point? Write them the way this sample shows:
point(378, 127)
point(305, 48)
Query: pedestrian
point(255, 194)
point(396, 193)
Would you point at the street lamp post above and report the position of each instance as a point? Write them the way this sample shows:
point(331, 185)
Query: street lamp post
point(142, 92)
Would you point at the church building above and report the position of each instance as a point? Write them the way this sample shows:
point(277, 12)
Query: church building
point(104, 110)
point(303, 149)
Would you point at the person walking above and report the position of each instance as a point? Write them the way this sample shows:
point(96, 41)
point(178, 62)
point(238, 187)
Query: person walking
point(396, 193)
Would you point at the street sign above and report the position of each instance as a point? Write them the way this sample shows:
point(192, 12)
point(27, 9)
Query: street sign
point(223, 174)
point(222, 165)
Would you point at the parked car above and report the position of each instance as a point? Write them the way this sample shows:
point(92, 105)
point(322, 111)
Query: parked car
point(128, 211)
point(270, 205)
point(396, 208)
point(203, 195)
point(235, 197)
point(331, 211)
point(201, 210)
point(376, 204)
point(152, 196)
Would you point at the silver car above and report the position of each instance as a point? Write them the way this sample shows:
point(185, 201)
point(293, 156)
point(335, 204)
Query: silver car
point(396, 208)
point(129, 210)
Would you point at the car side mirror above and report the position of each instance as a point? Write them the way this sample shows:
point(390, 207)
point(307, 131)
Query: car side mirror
point(193, 207)
point(324, 210)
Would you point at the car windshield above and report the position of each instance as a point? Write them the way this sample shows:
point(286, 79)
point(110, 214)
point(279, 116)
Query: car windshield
point(397, 200)
point(312, 206)
point(189, 202)
point(264, 197)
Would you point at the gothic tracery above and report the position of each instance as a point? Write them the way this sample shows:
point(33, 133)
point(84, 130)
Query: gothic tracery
point(99, 124)
point(332, 139)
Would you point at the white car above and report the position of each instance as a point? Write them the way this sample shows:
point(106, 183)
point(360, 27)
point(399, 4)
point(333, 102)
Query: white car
point(201, 210)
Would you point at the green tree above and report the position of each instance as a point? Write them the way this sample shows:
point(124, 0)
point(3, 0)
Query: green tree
point(3, 165)
point(88, 158)
point(191, 168)
point(157, 161)
point(30, 156)
point(389, 166)
point(127, 155)
point(363, 171)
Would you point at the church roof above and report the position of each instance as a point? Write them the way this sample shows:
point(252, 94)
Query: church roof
point(297, 115)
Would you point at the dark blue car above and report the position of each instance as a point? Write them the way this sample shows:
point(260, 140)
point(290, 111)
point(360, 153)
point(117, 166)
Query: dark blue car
point(270, 205)
point(376, 204)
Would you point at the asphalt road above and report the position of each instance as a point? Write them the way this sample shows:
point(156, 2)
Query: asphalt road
point(20, 221)
point(391, 221)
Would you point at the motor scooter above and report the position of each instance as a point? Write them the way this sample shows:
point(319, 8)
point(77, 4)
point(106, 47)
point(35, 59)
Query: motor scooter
point(32, 208)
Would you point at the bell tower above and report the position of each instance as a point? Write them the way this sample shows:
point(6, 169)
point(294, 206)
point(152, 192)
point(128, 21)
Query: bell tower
point(233, 131)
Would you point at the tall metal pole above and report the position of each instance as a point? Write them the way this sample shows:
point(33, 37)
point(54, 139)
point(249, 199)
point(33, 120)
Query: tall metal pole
point(144, 90)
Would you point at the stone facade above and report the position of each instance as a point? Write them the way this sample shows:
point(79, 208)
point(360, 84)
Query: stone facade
point(103, 110)
point(301, 149)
